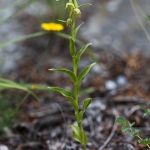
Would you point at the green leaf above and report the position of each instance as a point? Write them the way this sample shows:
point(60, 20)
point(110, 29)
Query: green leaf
point(125, 128)
point(148, 18)
point(76, 133)
point(143, 108)
point(4, 83)
point(62, 21)
point(86, 103)
point(133, 123)
point(77, 28)
point(22, 38)
point(147, 111)
point(121, 120)
point(135, 132)
point(144, 141)
point(66, 71)
point(66, 94)
point(72, 47)
point(88, 4)
point(79, 54)
point(92, 55)
point(83, 138)
point(83, 74)
point(84, 107)
point(79, 135)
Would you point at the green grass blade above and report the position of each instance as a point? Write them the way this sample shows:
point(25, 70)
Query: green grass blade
point(10, 6)
point(18, 10)
point(22, 38)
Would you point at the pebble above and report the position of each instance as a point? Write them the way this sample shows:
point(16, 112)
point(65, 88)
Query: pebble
point(110, 85)
point(121, 80)
point(3, 147)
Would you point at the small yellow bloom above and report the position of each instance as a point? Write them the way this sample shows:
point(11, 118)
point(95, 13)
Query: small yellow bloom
point(52, 26)
point(34, 87)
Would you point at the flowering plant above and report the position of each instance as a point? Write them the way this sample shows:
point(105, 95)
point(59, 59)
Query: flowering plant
point(74, 12)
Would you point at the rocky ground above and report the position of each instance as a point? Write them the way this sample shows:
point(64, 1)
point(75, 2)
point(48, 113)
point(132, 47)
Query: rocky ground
point(118, 83)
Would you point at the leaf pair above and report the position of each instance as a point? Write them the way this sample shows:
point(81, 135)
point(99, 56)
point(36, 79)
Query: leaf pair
point(125, 123)
point(75, 80)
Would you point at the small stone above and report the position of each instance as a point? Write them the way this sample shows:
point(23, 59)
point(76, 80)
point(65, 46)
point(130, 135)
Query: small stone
point(3, 147)
point(110, 85)
point(121, 80)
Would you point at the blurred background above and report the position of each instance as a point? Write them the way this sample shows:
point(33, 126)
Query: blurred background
point(110, 25)
point(119, 82)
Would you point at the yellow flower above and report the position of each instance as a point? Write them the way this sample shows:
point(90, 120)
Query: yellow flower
point(52, 26)
point(34, 87)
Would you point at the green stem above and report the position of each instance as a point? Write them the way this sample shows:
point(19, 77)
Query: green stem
point(141, 139)
point(83, 147)
point(74, 17)
point(75, 3)
point(73, 58)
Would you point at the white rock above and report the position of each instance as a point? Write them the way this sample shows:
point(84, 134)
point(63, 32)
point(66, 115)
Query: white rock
point(110, 85)
point(121, 80)
point(3, 147)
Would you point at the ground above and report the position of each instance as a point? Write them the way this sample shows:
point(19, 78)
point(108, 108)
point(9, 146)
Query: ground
point(118, 84)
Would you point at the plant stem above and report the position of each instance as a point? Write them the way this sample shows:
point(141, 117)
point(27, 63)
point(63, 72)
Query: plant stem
point(75, 72)
point(84, 147)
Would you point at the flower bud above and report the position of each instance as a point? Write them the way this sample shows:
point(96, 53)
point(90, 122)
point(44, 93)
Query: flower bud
point(70, 6)
point(69, 22)
point(77, 11)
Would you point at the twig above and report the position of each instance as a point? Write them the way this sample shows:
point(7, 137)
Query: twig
point(133, 109)
point(65, 128)
point(110, 137)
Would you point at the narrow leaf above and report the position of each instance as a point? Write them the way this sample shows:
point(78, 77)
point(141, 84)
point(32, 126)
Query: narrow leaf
point(79, 54)
point(62, 20)
point(66, 71)
point(77, 28)
point(86, 103)
point(72, 47)
point(4, 83)
point(22, 38)
point(76, 133)
point(83, 74)
point(13, 85)
point(88, 4)
point(84, 107)
point(62, 91)
point(83, 137)
point(66, 94)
